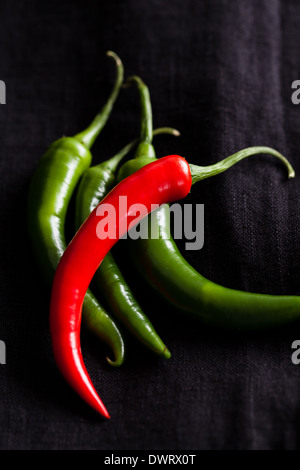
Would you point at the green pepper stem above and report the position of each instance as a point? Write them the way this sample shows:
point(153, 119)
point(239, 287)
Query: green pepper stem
point(112, 163)
point(201, 172)
point(166, 130)
point(89, 135)
point(146, 133)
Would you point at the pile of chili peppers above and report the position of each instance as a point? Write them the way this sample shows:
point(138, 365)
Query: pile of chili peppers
point(65, 171)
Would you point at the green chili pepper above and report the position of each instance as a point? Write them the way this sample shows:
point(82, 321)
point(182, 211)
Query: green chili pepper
point(96, 182)
point(50, 192)
point(163, 266)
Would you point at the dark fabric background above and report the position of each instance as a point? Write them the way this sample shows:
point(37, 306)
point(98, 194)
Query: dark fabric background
point(221, 72)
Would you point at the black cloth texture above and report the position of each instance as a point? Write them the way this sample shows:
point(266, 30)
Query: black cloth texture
point(221, 72)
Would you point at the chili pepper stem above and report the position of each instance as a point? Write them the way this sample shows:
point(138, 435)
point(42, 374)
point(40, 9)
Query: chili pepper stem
point(89, 135)
point(202, 172)
point(113, 162)
point(146, 110)
point(166, 130)
point(145, 147)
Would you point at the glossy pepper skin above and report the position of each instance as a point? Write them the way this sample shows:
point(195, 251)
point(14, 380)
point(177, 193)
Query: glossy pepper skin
point(96, 182)
point(165, 180)
point(51, 188)
point(162, 265)
point(157, 183)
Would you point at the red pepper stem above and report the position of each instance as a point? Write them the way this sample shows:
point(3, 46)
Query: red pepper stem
point(89, 135)
point(202, 172)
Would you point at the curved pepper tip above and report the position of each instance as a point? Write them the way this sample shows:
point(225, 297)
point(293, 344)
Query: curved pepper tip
point(166, 353)
point(116, 362)
point(292, 174)
point(106, 414)
point(100, 408)
point(115, 57)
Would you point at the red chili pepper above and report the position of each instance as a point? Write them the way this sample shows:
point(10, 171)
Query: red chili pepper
point(163, 181)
